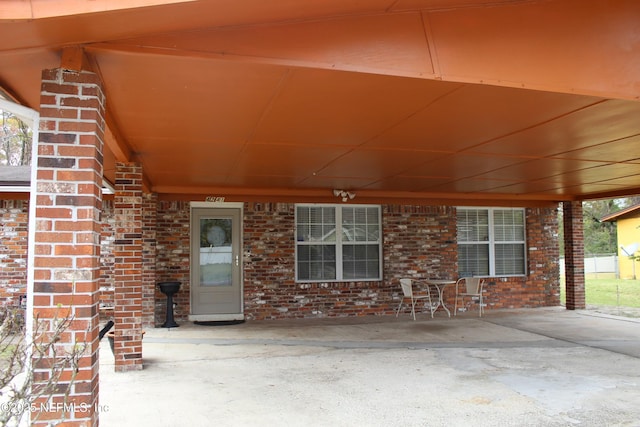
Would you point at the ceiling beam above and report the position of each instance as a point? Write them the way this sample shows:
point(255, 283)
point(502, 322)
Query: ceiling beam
point(115, 143)
point(363, 196)
point(73, 58)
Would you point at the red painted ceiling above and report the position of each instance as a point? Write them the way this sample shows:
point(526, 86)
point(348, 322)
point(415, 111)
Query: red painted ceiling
point(466, 101)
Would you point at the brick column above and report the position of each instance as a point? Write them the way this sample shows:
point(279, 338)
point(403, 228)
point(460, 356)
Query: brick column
point(66, 258)
point(127, 206)
point(574, 255)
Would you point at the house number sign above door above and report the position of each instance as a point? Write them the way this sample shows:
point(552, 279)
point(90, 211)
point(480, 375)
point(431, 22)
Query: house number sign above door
point(216, 199)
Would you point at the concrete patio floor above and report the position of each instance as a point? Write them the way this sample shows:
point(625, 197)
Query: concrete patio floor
point(535, 367)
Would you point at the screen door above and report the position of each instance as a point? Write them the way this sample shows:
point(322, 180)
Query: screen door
point(216, 288)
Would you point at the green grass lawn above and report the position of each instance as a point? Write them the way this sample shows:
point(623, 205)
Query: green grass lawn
point(615, 292)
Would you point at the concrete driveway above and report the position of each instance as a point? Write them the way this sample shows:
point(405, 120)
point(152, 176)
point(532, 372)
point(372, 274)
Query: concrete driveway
point(537, 367)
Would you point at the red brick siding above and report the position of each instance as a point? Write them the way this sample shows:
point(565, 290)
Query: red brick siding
point(544, 254)
point(149, 220)
point(172, 263)
point(107, 260)
point(269, 274)
point(14, 217)
point(541, 286)
point(419, 241)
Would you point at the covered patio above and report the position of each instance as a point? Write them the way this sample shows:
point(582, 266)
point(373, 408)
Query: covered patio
point(508, 368)
point(323, 149)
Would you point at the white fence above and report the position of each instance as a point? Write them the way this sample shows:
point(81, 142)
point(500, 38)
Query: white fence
point(597, 263)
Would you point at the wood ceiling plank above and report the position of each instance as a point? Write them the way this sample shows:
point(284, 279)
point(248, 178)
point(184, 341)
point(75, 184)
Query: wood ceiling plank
point(477, 114)
point(334, 107)
point(377, 164)
point(539, 169)
point(614, 151)
point(185, 100)
point(299, 161)
point(606, 121)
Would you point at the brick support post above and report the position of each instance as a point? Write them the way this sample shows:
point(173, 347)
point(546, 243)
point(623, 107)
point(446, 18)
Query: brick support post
point(66, 241)
point(574, 255)
point(127, 205)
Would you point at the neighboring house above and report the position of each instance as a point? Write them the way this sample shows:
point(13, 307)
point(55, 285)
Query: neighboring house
point(628, 233)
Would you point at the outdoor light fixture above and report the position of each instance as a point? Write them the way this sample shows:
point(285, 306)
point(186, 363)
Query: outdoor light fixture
point(344, 195)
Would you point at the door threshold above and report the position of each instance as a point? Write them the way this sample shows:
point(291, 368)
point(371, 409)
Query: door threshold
point(215, 317)
point(218, 322)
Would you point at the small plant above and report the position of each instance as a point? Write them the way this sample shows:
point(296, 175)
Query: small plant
point(20, 388)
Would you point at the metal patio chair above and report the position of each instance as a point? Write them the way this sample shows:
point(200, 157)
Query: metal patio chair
point(408, 294)
point(469, 287)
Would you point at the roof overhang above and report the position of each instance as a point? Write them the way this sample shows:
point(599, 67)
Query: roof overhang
point(408, 101)
point(630, 212)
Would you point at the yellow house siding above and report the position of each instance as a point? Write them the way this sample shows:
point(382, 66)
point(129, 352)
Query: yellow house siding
point(628, 233)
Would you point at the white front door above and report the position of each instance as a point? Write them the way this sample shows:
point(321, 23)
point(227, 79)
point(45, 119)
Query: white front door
point(216, 264)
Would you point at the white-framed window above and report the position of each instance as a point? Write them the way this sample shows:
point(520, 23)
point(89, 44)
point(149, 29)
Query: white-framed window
point(338, 243)
point(491, 241)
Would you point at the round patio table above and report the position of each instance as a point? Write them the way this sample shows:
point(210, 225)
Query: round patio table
point(440, 285)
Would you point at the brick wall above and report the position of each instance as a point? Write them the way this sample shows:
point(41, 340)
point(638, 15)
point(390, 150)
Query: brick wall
point(270, 290)
point(541, 287)
point(544, 255)
point(14, 218)
point(107, 260)
point(419, 241)
point(172, 249)
point(149, 227)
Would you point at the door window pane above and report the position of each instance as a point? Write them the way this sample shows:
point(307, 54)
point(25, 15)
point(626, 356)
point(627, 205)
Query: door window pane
point(215, 252)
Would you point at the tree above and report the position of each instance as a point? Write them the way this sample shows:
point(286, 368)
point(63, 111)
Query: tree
point(599, 237)
point(19, 387)
point(15, 140)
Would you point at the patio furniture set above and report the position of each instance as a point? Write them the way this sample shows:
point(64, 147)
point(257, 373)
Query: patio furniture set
point(468, 286)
